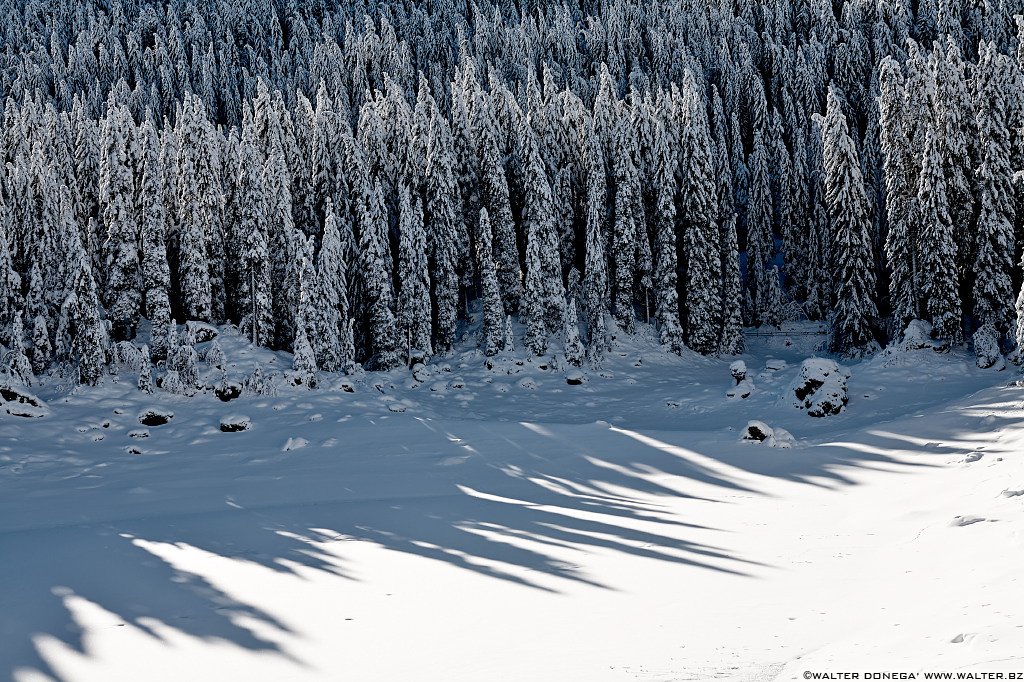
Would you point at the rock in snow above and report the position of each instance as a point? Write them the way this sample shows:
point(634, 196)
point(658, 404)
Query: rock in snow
point(821, 387)
point(759, 432)
point(155, 416)
point(235, 422)
point(19, 402)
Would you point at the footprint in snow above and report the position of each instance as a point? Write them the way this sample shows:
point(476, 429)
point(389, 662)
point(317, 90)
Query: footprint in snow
point(973, 457)
point(295, 444)
point(1012, 493)
point(967, 520)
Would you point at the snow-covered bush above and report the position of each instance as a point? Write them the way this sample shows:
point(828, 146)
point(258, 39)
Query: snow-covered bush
point(986, 347)
point(821, 387)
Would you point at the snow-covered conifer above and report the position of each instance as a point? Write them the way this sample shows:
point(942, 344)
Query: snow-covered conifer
point(413, 277)
point(855, 312)
point(493, 310)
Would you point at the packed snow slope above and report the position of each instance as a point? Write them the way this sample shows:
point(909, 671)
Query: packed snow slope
point(502, 524)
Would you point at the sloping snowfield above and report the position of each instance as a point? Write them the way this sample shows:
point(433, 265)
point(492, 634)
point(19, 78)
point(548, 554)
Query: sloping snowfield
point(475, 524)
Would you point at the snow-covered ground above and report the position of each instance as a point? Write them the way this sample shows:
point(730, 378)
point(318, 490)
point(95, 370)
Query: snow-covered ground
point(501, 524)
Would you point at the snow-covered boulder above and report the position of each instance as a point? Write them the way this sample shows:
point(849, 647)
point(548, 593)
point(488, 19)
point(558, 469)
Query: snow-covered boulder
point(575, 378)
point(155, 416)
point(821, 387)
point(775, 365)
point(774, 437)
point(18, 401)
point(738, 369)
point(234, 423)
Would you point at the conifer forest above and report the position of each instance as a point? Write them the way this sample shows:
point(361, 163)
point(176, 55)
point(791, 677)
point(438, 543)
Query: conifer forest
point(511, 340)
point(356, 182)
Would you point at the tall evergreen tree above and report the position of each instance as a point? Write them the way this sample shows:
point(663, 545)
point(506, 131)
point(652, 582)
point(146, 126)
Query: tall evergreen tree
point(493, 310)
point(939, 282)
point(993, 264)
point(855, 312)
point(375, 271)
point(117, 201)
point(413, 276)
point(701, 234)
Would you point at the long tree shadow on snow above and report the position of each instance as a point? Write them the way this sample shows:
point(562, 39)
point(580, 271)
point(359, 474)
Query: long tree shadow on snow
point(503, 501)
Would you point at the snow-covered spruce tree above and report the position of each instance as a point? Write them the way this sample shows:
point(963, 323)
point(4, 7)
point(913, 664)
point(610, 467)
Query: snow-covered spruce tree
point(900, 196)
point(994, 251)
point(939, 282)
point(730, 338)
point(760, 243)
point(666, 297)
point(303, 359)
point(196, 201)
point(625, 227)
point(123, 294)
point(701, 235)
point(256, 296)
point(955, 128)
point(10, 284)
point(88, 334)
point(280, 226)
point(413, 277)
point(330, 304)
point(538, 220)
point(445, 231)
point(493, 310)
point(375, 271)
point(18, 363)
point(36, 299)
point(595, 276)
point(574, 351)
point(855, 312)
point(156, 277)
point(145, 382)
point(531, 310)
point(42, 350)
point(494, 190)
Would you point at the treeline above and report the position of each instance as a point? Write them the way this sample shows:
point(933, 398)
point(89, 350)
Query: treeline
point(349, 180)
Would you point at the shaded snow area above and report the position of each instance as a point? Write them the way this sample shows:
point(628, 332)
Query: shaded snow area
point(486, 519)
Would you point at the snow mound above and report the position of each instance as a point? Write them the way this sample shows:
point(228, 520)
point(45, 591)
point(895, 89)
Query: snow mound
point(17, 401)
point(759, 432)
point(821, 387)
point(234, 423)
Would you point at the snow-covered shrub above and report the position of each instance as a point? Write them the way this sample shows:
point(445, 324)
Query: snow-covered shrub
point(916, 336)
point(258, 384)
point(742, 390)
point(821, 387)
point(200, 332)
point(215, 355)
point(986, 346)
